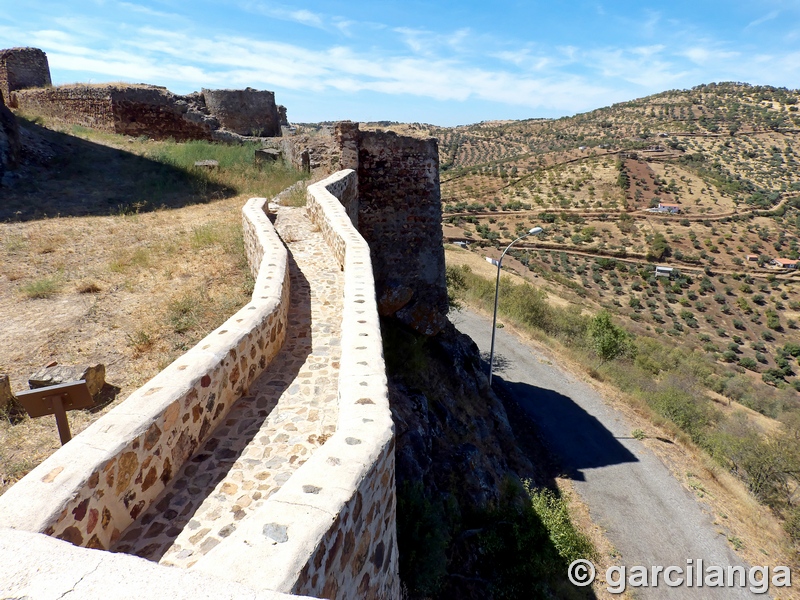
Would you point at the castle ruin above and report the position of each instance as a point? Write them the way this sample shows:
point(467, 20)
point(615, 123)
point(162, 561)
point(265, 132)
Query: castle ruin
point(22, 68)
point(137, 109)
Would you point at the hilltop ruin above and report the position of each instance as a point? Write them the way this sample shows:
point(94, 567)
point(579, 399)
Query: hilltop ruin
point(137, 109)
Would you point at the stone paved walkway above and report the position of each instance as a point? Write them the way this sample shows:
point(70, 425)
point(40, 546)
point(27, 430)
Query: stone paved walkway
point(291, 410)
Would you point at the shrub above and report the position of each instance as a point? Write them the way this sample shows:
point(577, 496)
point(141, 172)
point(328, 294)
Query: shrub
point(748, 363)
point(690, 413)
point(41, 288)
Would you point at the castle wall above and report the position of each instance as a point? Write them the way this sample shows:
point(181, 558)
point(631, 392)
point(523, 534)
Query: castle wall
point(129, 110)
point(329, 531)
point(159, 114)
point(22, 68)
point(246, 112)
point(399, 215)
point(70, 105)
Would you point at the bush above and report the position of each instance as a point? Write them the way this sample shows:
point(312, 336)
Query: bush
point(423, 534)
point(690, 413)
point(748, 363)
point(608, 340)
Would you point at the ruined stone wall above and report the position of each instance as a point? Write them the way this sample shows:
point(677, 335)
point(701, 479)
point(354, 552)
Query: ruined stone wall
point(129, 110)
point(90, 490)
point(316, 153)
point(159, 114)
point(329, 531)
point(399, 215)
point(70, 105)
point(22, 68)
point(246, 112)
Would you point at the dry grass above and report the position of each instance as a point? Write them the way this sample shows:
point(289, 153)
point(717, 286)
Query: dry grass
point(132, 291)
point(121, 281)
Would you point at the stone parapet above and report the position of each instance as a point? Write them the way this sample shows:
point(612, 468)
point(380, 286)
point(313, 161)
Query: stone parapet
point(39, 567)
point(94, 487)
point(330, 530)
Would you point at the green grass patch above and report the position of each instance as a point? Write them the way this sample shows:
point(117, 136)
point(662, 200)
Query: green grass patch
point(46, 287)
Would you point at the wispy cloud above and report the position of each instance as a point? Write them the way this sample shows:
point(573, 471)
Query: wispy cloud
point(704, 55)
point(768, 17)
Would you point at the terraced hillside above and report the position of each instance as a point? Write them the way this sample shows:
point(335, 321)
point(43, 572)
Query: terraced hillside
point(679, 214)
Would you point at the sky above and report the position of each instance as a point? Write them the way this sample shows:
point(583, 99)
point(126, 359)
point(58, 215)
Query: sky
point(445, 63)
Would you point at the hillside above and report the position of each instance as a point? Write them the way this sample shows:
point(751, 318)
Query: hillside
point(702, 182)
point(724, 155)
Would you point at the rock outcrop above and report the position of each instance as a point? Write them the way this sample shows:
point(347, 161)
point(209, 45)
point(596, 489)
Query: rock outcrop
point(10, 145)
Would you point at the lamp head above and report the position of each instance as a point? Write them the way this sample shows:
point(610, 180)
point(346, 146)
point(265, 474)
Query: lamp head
point(535, 231)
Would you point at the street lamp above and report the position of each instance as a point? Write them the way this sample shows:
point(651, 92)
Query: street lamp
point(534, 231)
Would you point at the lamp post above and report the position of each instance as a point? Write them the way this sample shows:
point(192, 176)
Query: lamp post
point(534, 231)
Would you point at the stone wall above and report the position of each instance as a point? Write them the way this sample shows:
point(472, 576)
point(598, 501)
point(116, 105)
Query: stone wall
point(316, 153)
point(399, 215)
point(330, 530)
point(246, 112)
point(129, 110)
point(94, 487)
point(87, 106)
point(38, 567)
point(22, 68)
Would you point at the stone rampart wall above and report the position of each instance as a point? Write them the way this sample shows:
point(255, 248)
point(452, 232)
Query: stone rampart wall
point(90, 107)
point(399, 213)
point(128, 110)
point(38, 567)
point(246, 112)
point(330, 530)
point(90, 490)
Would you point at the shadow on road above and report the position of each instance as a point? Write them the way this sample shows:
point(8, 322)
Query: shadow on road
point(577, 439)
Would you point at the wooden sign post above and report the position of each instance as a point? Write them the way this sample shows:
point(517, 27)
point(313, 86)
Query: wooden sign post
point(57, 400)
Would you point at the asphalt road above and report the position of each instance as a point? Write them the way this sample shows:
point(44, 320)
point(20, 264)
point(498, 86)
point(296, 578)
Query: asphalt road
point(649, 517)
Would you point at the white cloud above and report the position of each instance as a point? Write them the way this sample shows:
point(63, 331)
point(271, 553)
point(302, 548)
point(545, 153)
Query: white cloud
point(702, 55)
point(768, 17)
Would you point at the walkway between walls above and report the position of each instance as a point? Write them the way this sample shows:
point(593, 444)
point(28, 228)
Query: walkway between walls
point(290, 411)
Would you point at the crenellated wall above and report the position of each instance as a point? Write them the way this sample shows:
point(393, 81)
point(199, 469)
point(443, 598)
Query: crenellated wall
point(92, 489)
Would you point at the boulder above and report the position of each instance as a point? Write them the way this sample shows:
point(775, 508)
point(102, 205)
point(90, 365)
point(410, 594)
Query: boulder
point(266, 156)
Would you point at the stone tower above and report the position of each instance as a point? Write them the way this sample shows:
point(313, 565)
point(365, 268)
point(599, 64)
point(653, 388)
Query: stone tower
point(22, 68)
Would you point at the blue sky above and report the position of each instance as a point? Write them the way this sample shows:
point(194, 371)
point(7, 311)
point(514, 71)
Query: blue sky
point(445, 63)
